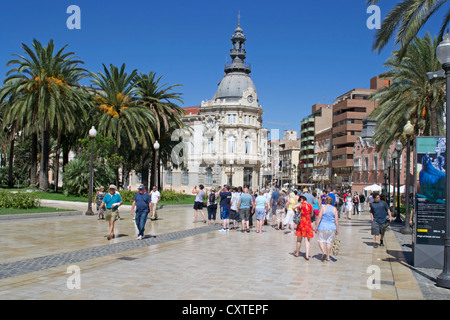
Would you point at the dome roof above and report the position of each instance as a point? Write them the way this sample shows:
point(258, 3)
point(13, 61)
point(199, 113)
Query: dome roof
point(233, 86)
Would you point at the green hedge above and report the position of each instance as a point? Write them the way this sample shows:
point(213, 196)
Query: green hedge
point(19, 200)
point(166, 195)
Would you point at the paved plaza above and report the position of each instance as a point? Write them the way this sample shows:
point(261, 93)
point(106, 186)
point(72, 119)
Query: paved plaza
point(68, 257)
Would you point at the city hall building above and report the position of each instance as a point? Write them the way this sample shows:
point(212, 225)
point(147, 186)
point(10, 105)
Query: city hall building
point(224, 141)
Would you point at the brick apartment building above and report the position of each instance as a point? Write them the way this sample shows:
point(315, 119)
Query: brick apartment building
point(349, 110)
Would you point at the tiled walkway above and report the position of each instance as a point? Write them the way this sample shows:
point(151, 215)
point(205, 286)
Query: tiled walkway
point(183, 260)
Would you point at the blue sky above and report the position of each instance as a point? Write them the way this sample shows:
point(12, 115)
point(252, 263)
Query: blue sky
point(301, 52)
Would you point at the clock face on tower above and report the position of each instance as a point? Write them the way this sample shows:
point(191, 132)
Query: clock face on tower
point(250, 98)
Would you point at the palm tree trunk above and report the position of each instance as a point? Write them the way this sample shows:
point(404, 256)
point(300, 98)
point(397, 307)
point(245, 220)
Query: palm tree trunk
point(43, 171)
point(34, 153)
point(11, 162)
point(58, 148)
point(116, 169)
point(145, 170)
point(434, 120)
point(66, 151)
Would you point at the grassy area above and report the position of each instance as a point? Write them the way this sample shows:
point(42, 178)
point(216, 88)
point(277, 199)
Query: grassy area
point(61, 197)
point(4, 211)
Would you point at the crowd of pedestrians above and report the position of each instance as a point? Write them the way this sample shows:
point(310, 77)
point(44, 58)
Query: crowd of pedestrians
point(301, 214)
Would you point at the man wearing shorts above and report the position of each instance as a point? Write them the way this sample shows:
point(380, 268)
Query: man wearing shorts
point(156, 196)
point(225, 204)
point(273, 206)
point(378, 212)
point(244, 209)
point(112, 201)
point(234, 215)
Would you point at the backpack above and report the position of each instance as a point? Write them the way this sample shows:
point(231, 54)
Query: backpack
point(297, 217)
point(212, 198)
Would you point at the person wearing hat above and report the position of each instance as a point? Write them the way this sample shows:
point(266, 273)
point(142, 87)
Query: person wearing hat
point(156, 196)
point(304, 228)
point(98, 201)
point(311, 200)
point(112, 201)
point(142, 202)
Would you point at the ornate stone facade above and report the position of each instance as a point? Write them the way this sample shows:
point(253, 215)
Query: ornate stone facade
point(226, 143)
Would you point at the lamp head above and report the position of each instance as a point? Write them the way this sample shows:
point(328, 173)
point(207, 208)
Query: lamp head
point(443, 50)
point(92, 132)
point(408, 129)
point(394, 155)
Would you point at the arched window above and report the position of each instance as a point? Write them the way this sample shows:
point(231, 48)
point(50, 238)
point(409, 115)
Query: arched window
point(210, 145)
point(169, 176)
point(231, 144)
point(185, 176)
point(209, 177)
point(247, 145)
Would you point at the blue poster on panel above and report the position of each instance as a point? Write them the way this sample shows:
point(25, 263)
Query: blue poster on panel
point(430, 190)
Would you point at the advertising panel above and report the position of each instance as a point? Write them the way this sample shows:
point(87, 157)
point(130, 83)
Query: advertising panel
point(430, 190)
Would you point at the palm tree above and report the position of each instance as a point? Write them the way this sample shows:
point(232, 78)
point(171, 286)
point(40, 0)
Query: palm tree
point(159, 100)
point(117, 114)
point(47, 95)
point(406, 19)
point(411, 96)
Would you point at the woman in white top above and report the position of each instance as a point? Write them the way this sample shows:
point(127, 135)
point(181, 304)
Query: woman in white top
point(349, 206)
point(198, 204)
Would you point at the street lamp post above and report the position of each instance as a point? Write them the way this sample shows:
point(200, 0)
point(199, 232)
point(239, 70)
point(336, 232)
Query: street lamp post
point(389, 165)
point(231, 173)
point(443, 55)
point(156, 166)
point(398, 147)
point(394, 160)
point(408, 130)
point(294, 180)
point(92, 134)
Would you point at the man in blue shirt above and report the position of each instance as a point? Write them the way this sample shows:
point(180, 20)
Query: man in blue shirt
point(379, 211)
point(272, 203)
point(331, 194)
point(244, 209)
point(309, 197)
point(142, 202)
point(112, 201)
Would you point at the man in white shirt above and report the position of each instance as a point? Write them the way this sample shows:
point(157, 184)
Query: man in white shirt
point(156, 196)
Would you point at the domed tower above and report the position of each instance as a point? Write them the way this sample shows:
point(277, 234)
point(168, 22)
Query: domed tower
point(236, 79)
point(228, 144)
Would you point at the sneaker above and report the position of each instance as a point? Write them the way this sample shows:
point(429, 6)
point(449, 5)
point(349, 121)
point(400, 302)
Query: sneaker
point(227, 230)
point(375, 245)
point(139, 238)
point(222, 230)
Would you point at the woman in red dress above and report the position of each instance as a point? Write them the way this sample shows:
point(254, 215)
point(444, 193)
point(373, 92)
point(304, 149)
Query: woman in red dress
point(304, 228)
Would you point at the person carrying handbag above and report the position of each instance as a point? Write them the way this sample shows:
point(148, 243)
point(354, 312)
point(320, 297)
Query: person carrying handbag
point(327, 228)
